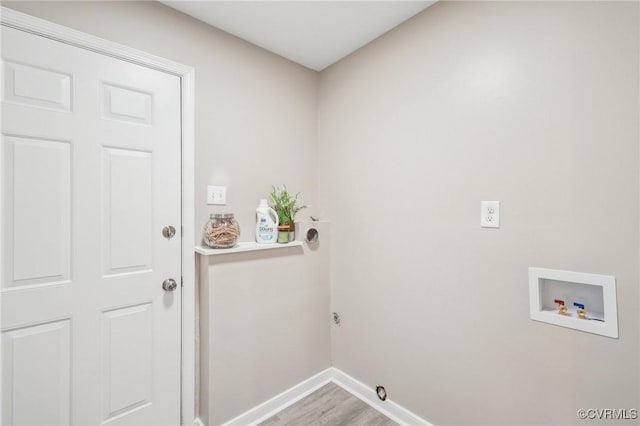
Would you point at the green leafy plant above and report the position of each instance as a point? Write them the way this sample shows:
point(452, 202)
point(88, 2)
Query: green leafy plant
point(284, 204)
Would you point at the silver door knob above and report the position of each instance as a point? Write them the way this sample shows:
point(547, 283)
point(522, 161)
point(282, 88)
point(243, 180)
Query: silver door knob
point(169, 284)
point(168, 232)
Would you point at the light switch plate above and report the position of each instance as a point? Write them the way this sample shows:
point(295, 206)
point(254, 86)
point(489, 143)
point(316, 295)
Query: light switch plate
point(490, 214)
point(217, 195)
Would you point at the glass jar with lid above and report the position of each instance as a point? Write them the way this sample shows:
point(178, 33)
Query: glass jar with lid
point(221, 231)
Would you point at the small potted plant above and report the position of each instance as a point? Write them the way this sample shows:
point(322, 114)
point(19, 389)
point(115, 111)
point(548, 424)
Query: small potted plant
point(286, 206)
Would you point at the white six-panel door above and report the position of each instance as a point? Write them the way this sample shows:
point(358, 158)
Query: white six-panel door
point(90, 175)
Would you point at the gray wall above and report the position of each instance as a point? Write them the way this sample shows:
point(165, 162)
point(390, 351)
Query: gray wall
point(271, 321)
point(534, 104)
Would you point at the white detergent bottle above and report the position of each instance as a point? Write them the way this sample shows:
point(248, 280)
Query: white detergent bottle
point(266, 223)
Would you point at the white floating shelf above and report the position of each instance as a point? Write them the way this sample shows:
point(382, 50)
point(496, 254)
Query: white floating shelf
point(245, 247)
point(596, 292)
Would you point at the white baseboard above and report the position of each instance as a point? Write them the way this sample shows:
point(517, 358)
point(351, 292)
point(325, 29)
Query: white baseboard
point(363, 392)
point(367, 394)
point(268, 408)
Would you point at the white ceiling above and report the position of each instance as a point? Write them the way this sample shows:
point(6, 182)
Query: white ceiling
point(315, 34)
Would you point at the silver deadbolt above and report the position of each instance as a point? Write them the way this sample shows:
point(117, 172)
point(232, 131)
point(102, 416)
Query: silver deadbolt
point(168, 232)
point(169, 284)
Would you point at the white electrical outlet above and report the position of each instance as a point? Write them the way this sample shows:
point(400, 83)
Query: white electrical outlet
point(490, 214)
point(217, 195)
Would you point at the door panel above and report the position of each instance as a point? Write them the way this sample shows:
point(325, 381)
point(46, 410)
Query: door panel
point(90, 175)
point(128, 180)
point(128, 352)
point(33, 383)
point(32, 234)
point(32, 85)
point(121, 103)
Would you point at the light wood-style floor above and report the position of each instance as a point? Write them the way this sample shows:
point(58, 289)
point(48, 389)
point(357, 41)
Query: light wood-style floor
point(329, 406)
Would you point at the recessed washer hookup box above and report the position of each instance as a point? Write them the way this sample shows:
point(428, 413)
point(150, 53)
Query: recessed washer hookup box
point(577, 300)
